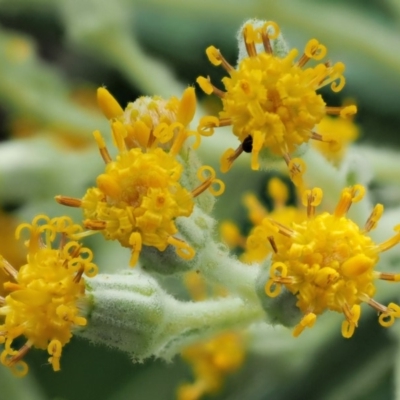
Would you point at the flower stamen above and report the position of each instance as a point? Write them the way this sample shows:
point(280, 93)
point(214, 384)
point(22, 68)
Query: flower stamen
point(374, 218)
point(348, 197)
point(307, 321)
point(207, 182)
point(334, 145)
point(388, 244)
point(102, 147)
point(311, 199)
point(94, 225)
point(208, 87)
point(249, 40)
point(344, 112)
point(68, 201)
point(216, 58)
point(386, 276)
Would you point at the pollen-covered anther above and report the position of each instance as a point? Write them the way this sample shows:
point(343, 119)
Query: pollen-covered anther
point(307, 321)
point(348, 196)
point(18, 355)
point(388, 317)
point(68, 201)
point(208, 123)
point(266, 35)
point(54, 349)
point(183, 249)
point(313, 50)
point(344, 112)
point(216, 58)
point(311, 199)
point(251, 37)
point(102, 147)
point(107, 103)
point(374, 218)
point(278, 276)
point(135, 240)
point(393, 241)
point(277, 227)
point(229, 156)
point(351, 321)
point(216, 186)
point(208, 88)
point(94, 225)
point(119, 133)
point(18, 368)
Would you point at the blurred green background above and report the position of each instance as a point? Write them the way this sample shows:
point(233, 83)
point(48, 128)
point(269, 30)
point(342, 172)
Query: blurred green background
point(53, 56)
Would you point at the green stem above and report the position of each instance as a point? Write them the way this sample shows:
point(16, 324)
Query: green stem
point(129, 311)
point(212, 315)
point(218, 266)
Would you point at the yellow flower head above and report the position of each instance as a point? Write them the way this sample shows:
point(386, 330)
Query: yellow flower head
point(342, 131)
point(254, 246)
point(271, 102)
point(211, 362)
point(151, 122)
point(43, 304)
point(139, 195)
point(328, 262)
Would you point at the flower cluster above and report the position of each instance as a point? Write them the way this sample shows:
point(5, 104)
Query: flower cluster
point(139, 196)
point(271, 100)
point(146, 198)
point(328, 262)
point(43, 304)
